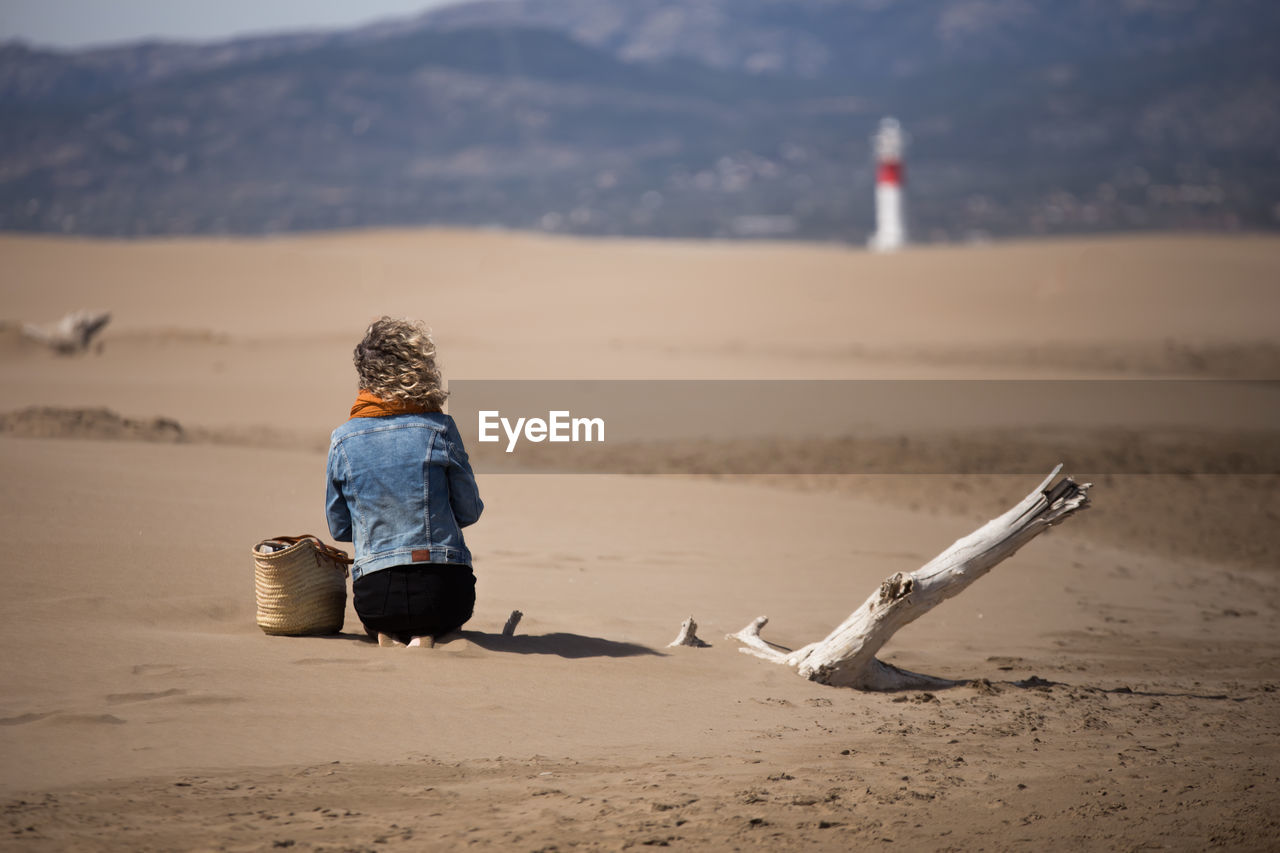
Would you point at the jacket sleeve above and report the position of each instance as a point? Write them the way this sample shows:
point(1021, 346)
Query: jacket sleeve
point(464, 496)
point(336, 509)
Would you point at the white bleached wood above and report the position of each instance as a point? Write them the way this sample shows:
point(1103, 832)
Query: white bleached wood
point(688, 636)
point(847, 656)
point(72, 334)
point(762, 648)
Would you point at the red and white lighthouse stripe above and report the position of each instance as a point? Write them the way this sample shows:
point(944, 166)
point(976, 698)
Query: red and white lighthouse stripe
point(891, 227)
point(889, 172)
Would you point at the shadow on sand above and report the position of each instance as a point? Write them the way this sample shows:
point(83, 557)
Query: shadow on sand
point(562, 644)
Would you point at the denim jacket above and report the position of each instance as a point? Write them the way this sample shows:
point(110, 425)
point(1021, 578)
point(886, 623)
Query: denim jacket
point(401, 488)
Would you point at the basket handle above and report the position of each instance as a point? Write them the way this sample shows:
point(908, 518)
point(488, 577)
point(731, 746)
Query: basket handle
point(328, 550)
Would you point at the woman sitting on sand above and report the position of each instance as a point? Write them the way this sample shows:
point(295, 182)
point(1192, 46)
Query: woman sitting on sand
point(401, 488)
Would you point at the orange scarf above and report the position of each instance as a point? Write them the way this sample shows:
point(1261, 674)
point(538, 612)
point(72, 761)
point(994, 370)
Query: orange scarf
point(369, 406)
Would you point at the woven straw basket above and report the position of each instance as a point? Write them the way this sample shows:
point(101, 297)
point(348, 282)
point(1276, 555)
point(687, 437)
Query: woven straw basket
point(301, 585)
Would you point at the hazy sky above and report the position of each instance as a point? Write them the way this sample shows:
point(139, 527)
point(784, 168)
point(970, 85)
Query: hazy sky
point(75, 23)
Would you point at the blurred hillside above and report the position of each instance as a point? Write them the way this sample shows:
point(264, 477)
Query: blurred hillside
point(724, 118)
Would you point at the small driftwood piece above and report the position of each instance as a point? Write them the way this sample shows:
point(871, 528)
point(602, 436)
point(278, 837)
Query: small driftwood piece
point(688, 636)
point(847, 657)
point(70, 335)
point(509, 629)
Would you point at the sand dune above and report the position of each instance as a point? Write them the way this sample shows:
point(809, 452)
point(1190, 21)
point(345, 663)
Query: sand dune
point(1124, 665)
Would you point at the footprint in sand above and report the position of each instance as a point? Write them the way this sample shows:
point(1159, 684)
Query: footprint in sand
point(62, 719)
point(326, 661)
point(154, 669)
point(211, 699)
point(378, 665)
point(164, 670)
point(90, 719)
point(145, 696)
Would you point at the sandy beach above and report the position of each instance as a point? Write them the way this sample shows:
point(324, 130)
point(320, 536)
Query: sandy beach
point(1118, 676)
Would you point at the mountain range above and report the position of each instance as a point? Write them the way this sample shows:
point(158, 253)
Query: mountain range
point(673, 118)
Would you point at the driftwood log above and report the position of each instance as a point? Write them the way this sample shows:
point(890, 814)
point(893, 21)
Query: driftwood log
point(847, 657)
point(70, 335)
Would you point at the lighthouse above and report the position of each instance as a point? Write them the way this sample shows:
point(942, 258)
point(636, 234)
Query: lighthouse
point(891, 226)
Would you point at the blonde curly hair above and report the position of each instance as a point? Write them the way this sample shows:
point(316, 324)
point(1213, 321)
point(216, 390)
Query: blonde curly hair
point(397, 361)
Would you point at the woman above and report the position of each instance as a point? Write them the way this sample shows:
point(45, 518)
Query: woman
point(401, 488)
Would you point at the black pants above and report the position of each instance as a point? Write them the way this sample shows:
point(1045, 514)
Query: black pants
point(426, 599)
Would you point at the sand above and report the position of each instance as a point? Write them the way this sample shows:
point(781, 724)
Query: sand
point(1120, 673)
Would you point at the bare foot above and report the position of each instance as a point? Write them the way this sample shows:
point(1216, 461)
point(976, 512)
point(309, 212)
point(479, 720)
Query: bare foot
point(427, 642)
point(387, 641)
